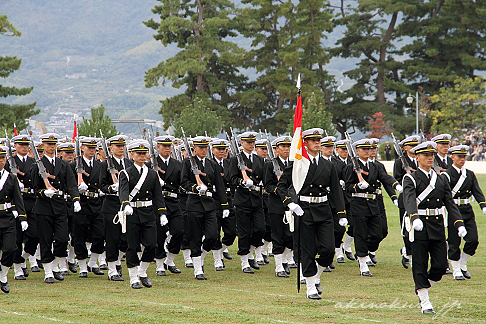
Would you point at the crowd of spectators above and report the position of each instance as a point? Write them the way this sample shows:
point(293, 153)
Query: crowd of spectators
point(477, 145)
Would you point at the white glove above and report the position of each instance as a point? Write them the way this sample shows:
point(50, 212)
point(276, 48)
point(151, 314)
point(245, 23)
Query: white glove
point(77, 206)
point(162, 183)
point(15, 213)
point(225, 213)
point(484, 210)
point(395, 201)
point(49, 193)
point(21, 185)
point(202, 189)
point(399, 188)
point(418, 225)
point(163, 220)
point(343, 221)
point(114, 187)
point(363, 185)
point(83, 187)
point(128, 210)
point(296, 209)
point(248, 183)
point(461, 231)
point(24, 225)
point(342, 183)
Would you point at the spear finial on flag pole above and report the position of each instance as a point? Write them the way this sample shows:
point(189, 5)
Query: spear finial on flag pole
point(298, 84)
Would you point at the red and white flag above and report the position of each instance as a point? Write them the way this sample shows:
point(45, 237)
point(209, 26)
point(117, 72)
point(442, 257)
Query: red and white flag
point(75, 132)
point(15, 130)
point(298, 153)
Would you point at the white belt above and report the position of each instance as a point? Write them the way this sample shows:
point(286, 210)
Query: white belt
point(430, 212)
point(27, 190)
point(112, 194)
point(462, 201)
point(364, 195)
point(59, 192)
point(140, 204)
point(5, 206)
point(169, 194)
point(91, 194)
point(207, 194)
point(378, 191)
point(313, 200)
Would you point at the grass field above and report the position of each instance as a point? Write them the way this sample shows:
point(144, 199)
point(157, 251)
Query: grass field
point(234, 297)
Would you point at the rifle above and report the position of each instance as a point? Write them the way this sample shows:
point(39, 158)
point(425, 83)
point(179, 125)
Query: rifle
point(354, 157)
point(436, 167)
point(109, 159)
point(40, 165)
point(79, 162)
point(153, 157)
point(194, 168)
point(399, 151)
point(236, 152)
point(276, 166)
point(10, 157)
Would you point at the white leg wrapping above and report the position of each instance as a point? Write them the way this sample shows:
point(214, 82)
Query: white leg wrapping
point(347, 243)
point(159, 265)
point(258, 253)
point(197, 265)
point(142, 270)
point(278, 262)
point(3, 274)
point(83, 267)
point(456, 268)
point(17, 270)
point(33, 261)
point(102, 258)
point(71, 254)
point(423, 294)
point(47, 270)
point(320, 270)
point(92, 261)
point(170, 259)
point(120, 257)
point(252, 251)
point(339, 252)
point(244, 261)
point(463, 260)
point(310, 283)
point(187, 256)
point(363, 267)
point(265, 247)
point(133, 273)
point(217, 255)
point(112, 269)
point(61, 262)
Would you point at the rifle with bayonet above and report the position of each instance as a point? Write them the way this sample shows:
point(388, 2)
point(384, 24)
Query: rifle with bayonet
point(153, 157)
point(354, 157)
point(399, 151)
point(79, 162)
point(271, 156)
point(236, 152)
point(194, 168)
point(11, 161)
point(40, 166)
point(109, 159)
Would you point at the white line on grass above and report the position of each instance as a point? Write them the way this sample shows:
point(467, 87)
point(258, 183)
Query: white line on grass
point(38, 316)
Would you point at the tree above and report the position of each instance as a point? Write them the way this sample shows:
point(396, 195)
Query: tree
point(10, 114)
point(198, 118)
point(377, 126)
point(99, 121)
point(315, 114)
point(460, 108)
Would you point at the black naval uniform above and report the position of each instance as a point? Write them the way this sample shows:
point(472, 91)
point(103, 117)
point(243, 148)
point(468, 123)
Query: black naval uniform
point(88, 223)
point(250, 219)
point(316, 225)
point(469, 189)
point(51, 213)
point(441, 163)
point(379, 197)
point(339, 230)
point(141, 228)
point(365, 210)
point(341, 170)
point(201, 210)
point(115, 240)
point(431, 240)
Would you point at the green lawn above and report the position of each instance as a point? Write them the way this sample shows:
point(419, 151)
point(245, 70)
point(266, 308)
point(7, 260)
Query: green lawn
point(233, 297)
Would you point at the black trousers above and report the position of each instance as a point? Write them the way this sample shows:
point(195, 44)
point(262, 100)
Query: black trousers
point(203, 223)
point(350, 218)
point(83, 225)
point(420, 261)
point(185, 244)
point(406, 241)
point(281, 235)
point(316, 238)
point(19, 241)
point(32, 234)
point(384, 222)
point(250, 225)
point(53, 236)
point(8, 244)
point(267, 236)
point(228, 225)
point(471, 239)
point(176, 229)
point(141, 233)
point(367, 233)
point(338, 229)
point(115, 240)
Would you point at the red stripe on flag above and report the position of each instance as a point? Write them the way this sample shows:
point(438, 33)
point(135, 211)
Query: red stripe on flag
point(75, 132)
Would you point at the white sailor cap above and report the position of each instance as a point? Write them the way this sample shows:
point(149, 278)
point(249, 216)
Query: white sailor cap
point(89, 141)
point(459, 150)
point(67, 147)
point(363, 143)
point(442, 139)
point(219, 143)
point(138, 146)
point(3, 150)
point(248, 136)
point(165, 139)
point(411, 140)
point(118, 140)
point(425, 147)
point(341, 144)
point(282, 140)
point(328, 141)
point(21, 139)
point(261, 143)
point(201, 140)
point(313, 133)
point(51, 138)
point(375, 142)
point(39, 146)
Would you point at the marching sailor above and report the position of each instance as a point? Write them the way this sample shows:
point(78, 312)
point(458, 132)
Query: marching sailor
point(261, 255)
point(443, 145)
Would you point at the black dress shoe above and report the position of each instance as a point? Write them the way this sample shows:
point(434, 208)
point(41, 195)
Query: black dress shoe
point(5, 287)
point(405, 262)
point(136, 285)
point(119, 270)
point(314, 296)
point(448, 271)
point(350, 256)
point(227, 255)
point(319, 288)
point(103, 267)
point(466, 274)
point(332, 265)
point(220, 268)
point(429, 311)
point(172, 269)
point(83, 275)
point(201, 276)
point(49, 280)
point(21, 277)
point(58, 275)
point(65, 273)
point(26, 272)
point(116, 278)
point(302, 281)
point(261, 262)
point(265, 259)
point(370, 264)
point(40, 264)
point(190, 265)
point(253, 264)
point(373, 258)
point(96, 271)
point(292, 265)
point(72, 267)
point(327, 269)
point(34, 269)
point(286, 267)
point(281, 274)
point(161, 273)
point(459, 278)
point(340, 260)
point(366, 274)
point(146, 282)
point(248, 270)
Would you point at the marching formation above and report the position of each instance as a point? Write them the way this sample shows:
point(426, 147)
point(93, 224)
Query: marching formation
point(86, 206)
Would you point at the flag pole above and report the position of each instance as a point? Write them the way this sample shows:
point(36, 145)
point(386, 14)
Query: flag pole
point(298, 217)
